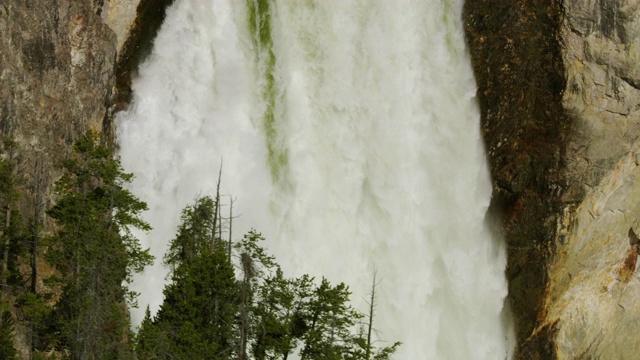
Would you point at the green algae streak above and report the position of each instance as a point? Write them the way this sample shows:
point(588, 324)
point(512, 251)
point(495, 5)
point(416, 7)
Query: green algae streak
point(260, 28)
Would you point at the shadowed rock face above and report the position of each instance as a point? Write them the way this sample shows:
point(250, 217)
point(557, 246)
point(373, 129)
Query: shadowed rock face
point(517, 61)
point(558, 88)
point(136, 41)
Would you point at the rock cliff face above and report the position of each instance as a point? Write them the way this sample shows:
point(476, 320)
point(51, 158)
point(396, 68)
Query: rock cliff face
point(593, 286)
point(559, 90)
point(64, 69)
point(56, 81)
point(60, 61)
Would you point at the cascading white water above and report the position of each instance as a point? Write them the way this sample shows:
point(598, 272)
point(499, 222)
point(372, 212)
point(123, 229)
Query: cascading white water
point(372, 159)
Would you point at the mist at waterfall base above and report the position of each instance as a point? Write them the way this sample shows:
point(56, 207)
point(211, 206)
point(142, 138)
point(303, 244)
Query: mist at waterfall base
point(373, 158)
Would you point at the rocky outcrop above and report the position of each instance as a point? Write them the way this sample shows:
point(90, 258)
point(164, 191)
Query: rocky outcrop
point(518, 65)
point(558, 88)
point(120, 16)
point(135, 36)
point(59, 63)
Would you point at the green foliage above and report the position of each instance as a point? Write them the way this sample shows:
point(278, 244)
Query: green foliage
point(12, 229)
point(197, 317)
point(281, 320)
point(36, 311)
point(194, 236)
point(254, 259)
point(199, 307)
point(210, 312)
point(95, 209)
point(330, 321)
point(151, 340)
point(7, 349)
point(8, 181)
point(95, 251)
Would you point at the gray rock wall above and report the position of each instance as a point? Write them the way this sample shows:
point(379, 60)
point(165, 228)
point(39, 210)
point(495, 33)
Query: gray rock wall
point(567, 185)
point(57, 61)
point(593, 285)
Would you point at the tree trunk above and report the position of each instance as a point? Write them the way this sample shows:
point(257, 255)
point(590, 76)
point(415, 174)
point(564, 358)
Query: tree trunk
point(372, 306)
point(216, 211)
point(5, 255)
point(230, 227)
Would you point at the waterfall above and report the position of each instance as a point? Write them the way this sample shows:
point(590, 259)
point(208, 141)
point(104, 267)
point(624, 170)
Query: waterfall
point(348, 133)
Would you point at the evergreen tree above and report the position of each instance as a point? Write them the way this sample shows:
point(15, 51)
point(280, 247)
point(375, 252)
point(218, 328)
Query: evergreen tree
point(95, 252)
point(7, 349)
point(211, 313)
point(8, 196)
point(199, 309)
point(151, 340)
point(255, 264)
point(194, 236)
point(280, 315)
point(196, 320)
point(40, 320)
point(330, 319)
point(12, 233)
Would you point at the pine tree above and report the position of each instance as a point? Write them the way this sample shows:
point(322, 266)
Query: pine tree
point(95, 252)
point(151, 341)
point(7, 349)
point(211, 313)
point(194, 235)
point(279, 312)
point(11, 226)
point(200, 306)
point(330, 319)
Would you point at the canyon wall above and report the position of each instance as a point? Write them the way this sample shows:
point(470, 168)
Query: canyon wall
point(56, 81)
point(65, 68)
point(558, 85)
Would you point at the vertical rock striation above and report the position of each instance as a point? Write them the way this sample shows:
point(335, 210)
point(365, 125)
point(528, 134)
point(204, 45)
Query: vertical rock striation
point(56, 79)
point(558, 85)
point(593, 284)
point(517, 61)
point(57, 62)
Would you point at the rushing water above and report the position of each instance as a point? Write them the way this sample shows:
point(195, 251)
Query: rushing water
point(348, 133)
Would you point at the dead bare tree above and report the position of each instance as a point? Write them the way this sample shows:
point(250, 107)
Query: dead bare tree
point(372, 308)
point(231, 200)
point(216, 211)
